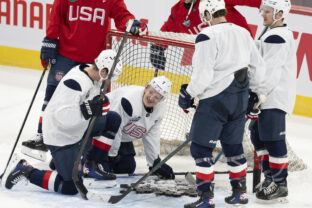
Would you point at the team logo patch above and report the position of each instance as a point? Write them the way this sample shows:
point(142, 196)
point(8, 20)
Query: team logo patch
point(59, 75)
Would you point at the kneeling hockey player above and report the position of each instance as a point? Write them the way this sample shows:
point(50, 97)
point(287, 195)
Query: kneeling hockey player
point(66, 118)
point(142, 110)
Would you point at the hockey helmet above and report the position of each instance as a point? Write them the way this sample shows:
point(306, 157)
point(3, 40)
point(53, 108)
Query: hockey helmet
point(211, 6)
point(161, 84)
point(106, 60)
point(278, 5)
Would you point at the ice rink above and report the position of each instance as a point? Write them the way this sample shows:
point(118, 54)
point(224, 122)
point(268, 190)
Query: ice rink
point(17, 86)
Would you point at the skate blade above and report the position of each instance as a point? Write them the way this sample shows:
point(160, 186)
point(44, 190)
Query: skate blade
point(236, 205)
point(280, 200)
point(98, 184)
point(36, 154)
point(14, 160)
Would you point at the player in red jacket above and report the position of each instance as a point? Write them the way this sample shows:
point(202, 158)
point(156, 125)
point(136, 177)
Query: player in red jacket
point(75, 34)
point(185, 18)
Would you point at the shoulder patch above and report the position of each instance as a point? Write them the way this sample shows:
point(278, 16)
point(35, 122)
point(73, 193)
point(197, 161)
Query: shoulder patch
point(274, 39)
point(201, 37)
point(72, 84)
point(126, 105)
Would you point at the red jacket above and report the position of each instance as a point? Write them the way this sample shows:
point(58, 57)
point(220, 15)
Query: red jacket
point(81, 26)
point(179, 13)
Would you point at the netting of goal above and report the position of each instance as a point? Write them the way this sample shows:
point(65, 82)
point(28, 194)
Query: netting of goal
point(138, 70)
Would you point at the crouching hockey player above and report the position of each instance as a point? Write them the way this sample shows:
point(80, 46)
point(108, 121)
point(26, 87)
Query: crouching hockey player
point(142, 110)
point(220, 79)
point(66, 119)
point(278, 49)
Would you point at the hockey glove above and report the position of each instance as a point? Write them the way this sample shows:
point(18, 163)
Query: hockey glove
point(95, 107)
point(138, 28)
point(48, 51)
point(165, 171)
point(253, 108)
point(157, 57)
point(185, 99)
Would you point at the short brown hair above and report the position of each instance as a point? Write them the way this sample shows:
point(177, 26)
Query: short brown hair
point(220, 13)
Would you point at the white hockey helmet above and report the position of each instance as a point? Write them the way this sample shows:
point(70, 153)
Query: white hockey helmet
point(161, 84)
point(278, 5)
point(105, 60)
point(211, 6)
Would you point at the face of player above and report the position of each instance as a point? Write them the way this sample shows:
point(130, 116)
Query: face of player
point(103, 74)
point(267, 15)
point(151, 97)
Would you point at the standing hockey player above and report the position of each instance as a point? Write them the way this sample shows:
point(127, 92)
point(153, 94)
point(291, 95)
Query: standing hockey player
point(220, 79)
point(76, 33)
point(184, 18)
point(268, 133)
point(142, 110)
point(75, 101)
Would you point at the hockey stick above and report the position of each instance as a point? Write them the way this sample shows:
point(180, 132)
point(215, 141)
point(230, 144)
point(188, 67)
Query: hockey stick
point(85, 194)
point(117, 198)
point(256, 177)
point(26, 116)
point(175, 173)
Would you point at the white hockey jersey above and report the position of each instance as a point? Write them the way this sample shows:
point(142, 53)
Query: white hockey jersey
point(140, 124)
point(277, 46)
point(63, 123)
point(220, 51)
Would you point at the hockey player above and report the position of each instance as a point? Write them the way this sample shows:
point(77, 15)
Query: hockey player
point(67, 117)
point(268, 133)
point(142, 110)
point(76, 33)
point(220, 80)
point(184, 18)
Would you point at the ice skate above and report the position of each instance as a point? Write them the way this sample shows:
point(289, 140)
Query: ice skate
point(274, 193)
point(96, 177)
point(21, 172)
point(35, 148)
point(239, 197)
point(205, 200)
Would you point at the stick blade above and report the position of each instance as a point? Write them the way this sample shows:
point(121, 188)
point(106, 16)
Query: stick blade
point(115, 199)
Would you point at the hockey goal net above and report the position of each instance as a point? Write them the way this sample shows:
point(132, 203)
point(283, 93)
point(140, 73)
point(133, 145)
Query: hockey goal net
point(138, 70)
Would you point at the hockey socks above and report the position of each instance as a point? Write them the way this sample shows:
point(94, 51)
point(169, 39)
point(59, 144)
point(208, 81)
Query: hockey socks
point(52, 181)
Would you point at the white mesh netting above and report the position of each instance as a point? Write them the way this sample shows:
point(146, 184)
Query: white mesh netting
point(138, 70)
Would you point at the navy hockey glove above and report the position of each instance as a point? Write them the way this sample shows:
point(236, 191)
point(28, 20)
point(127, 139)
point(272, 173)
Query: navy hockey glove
point(253, 109)
point(138, 28)
point(165, 171)
point(157, 57)
point(185, 99)
point(95, 107)
point(48, 51)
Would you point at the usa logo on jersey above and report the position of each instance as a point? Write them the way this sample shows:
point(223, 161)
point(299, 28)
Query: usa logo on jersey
point(59, 75)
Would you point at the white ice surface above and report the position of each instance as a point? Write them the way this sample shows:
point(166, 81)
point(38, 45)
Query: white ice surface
point(16, 90)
